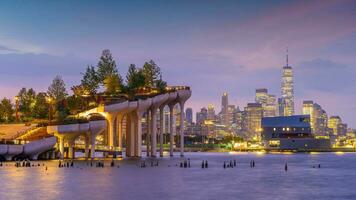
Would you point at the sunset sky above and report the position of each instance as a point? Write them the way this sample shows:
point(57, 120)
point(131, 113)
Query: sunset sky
point(212, 46)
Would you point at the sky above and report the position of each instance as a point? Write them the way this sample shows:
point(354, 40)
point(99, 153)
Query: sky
point(212, 46)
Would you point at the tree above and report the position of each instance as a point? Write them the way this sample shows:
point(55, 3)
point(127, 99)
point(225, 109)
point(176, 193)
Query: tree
point(76, 104)
point(106, 66)
point(27, 99)
point(57, 90)
point(90, 81)
point(113, 84)
point(6, 110)
point(152, 72)
point(41, 107)
point(161, 85)
point(134, 78)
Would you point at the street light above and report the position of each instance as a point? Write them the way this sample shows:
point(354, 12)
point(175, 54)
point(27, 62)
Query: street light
point(49, 101)
point(17, 107)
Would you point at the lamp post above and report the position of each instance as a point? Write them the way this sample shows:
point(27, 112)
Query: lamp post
point(17, 108)
point(49, 101)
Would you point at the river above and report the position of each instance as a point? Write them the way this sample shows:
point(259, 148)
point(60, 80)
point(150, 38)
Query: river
point(267, 180)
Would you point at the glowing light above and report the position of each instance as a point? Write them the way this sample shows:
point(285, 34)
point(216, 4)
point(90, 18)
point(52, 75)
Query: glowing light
point(339, 153)
point(314, 153)
point(260, 153)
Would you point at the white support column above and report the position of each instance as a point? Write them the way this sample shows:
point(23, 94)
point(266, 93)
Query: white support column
point(120, 121)
point(128, 133)
point(86, 154)
point(161, 130)
point(148, 134)
point(71, 149)
point(61, 147)
point(181, 129)
point(112, 129)
point(153, 132)
point(171, 129)
point(132, 134)
point(92, 150)
point(138, 135)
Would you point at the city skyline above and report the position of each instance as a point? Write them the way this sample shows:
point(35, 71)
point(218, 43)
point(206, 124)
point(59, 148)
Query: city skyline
point(224, 51)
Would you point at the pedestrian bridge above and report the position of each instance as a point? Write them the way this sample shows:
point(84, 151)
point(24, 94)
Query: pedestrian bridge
point(123, 120)
point(31, 149)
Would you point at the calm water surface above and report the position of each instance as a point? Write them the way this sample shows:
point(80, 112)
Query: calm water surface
point(336, 179)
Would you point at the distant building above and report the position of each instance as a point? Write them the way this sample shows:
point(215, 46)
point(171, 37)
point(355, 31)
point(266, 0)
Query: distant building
point(318, 117)
point(286, 104)
point(224, 109)
point(231, 114)
point(291, 133)
point(201, 116)
point(333, 123)
point(211, 112)
point(189, 115)
point(254, 114)
point(267, 101)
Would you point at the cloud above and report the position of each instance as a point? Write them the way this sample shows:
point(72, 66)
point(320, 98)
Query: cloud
point(5, 49)
point(11, 45)
point(305, 26)
point(325, 75)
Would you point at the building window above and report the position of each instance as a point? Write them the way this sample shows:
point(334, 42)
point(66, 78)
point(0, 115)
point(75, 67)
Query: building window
point(274, 143)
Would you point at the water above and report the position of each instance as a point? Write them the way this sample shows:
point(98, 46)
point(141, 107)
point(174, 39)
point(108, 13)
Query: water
point(268, 180)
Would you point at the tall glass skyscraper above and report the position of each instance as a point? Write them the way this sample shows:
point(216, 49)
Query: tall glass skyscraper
point(287, 90)
point(224, 109)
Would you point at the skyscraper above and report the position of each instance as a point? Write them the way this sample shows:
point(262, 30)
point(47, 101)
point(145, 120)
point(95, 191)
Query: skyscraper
point(267, 101)
point(202, 116)
point(287, 90)
point(338, 128)
point(189, 115)
point(318, 117)
point(224, 109)
point(211, 112)
point(254, 113)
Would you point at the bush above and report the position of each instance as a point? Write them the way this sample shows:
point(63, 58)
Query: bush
point(71, 120)
point(96, 117)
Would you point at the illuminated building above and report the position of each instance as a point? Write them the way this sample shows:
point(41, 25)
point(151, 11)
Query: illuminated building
point(342, 129)
point(231, 114)
point(202, 116)
point(333, 123)
point(267, 101)
point(224, 109)
point(189, 115)
point(211, 112)
point(286, 104)
point(318, 117)
point(291, 133)
point(254, 113)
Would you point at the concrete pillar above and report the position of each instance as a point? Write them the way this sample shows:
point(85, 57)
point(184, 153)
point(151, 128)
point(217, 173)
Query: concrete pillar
point(92, 149)
point(61, 147)
point(112, 129)
point(53, 155)
point(132, 134)
point(181, 129)
point(119, 125)
point(161, 130)
point(148, 134)
point(138, 135)
point(128, 135)
point(171, 129)
point(86, 151)
point(153, 132)
point(71, 149)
